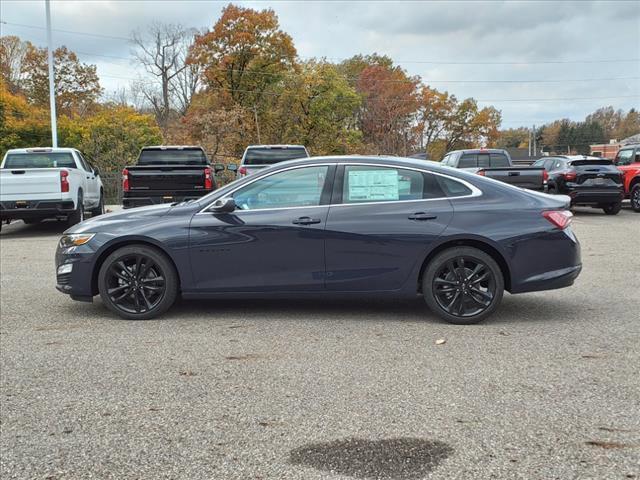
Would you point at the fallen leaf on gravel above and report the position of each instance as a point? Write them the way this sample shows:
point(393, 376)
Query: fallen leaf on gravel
point(608, 445)
point(67, 430)
point(441, 341)
point(188, 373)
point(504, 333)
point(611, 429)
point(249, 356)
point(592, 356)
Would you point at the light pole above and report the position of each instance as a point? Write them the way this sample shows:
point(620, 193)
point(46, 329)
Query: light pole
point(52, 91)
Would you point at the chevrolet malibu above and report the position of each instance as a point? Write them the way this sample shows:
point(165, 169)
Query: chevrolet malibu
point(329, 226)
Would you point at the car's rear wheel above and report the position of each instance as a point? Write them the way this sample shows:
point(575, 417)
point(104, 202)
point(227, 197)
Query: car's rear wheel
point(463, 285)
point(138, 282)
point(635, 198)
point(99, 210)
point(612, 208)
point(77, 215)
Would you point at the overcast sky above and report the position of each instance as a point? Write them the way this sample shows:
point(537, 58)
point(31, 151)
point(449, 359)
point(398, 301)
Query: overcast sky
point(573, 48)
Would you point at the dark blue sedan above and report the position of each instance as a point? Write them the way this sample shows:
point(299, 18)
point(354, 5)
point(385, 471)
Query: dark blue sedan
point(329, 226)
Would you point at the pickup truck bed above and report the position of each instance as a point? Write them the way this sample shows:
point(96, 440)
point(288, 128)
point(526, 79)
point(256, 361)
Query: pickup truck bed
point(531, 178)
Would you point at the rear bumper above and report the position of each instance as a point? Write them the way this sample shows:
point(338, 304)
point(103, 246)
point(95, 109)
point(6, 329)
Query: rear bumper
point(143, 201)
point(35, 209)
point(550, 280)
point(596, 196)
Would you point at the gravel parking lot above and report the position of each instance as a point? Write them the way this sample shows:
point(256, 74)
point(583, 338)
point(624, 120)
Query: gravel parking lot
point(547, 388)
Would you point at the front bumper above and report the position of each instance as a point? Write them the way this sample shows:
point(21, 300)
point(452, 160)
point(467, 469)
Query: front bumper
point(79, 282)
point(35, 209)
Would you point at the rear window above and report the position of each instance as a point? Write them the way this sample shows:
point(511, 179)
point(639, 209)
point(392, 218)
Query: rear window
point(174, 156)
point(499, 160)
point(578, 163)
point(269, 156)
point(40, 160)
point(468, 160)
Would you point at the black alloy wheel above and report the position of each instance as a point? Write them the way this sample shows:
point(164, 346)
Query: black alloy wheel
point(463, 285)
point(635, 198)
point(137, 282)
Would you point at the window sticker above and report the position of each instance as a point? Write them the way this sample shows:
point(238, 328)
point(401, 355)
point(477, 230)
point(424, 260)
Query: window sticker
point(373, 185)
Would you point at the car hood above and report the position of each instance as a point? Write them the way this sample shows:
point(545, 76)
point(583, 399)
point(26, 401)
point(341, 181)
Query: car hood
point(115, 220)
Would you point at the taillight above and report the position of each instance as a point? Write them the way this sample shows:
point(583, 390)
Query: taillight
point(242, 170)
point(482, 173)
point(125, 180)
point(208, 179)
point(545, 175)
point(64, 181)
point(570, 175)
point(560, 218)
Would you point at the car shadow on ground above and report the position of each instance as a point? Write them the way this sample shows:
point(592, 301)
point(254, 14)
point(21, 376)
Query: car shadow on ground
point(514, 309)
point(18, 229)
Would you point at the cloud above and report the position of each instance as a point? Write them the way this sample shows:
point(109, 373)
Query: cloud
point(412, 33)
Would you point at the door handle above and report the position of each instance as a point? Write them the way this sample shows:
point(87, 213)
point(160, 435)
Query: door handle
point(514, 174)
point(422, 216)
point(306, 221)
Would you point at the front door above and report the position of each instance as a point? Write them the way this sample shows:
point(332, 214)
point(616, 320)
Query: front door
point(383, 223)
point(273, 241)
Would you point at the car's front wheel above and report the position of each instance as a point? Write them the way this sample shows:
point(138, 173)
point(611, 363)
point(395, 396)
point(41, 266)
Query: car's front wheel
point(463, 285)
point(635, 198)
point(612, 208)
point(138, 282)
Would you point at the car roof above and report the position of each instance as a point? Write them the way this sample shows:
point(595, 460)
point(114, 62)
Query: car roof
point(630, 146)
point(577, 157)
point(478, 150)
point(275, 146)
point(370, 159)
point(42, 150)
point(173, 147)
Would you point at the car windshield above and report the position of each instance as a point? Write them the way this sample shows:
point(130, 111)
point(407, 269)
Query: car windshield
point(174, 156)
point(271, 155)
point(40, 160)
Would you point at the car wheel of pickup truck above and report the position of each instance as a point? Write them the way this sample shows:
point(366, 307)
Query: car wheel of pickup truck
point(78, 214)
point(635, 198)
point(612, 208)
point(138, 282)
point(463, 285)
point(99, 210)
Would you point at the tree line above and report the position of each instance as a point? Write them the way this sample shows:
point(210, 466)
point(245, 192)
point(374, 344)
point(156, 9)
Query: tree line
point(242, 82)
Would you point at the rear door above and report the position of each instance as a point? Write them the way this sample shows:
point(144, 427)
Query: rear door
point(381, 222)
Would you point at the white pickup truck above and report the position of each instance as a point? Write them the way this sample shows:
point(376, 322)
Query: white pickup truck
point(39, 183)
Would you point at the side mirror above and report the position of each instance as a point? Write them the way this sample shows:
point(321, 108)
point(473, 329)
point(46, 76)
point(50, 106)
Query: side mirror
point(223, 205)
point(232, 167)
point(96, 171)
point(218, 167)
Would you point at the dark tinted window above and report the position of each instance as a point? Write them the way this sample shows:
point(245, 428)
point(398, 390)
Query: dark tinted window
point(269, 156)
point(172, 156)
point(468, 160)
point(483, 160)
point(40, 160)
point(499, 160)
point(452, 188)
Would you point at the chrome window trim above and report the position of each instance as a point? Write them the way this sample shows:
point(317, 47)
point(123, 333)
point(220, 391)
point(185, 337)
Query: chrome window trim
point(475, 191)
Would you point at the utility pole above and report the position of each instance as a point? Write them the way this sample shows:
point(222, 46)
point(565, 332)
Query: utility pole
point(535, 142)
point(52, 91)
point(529, 142)
point(255, 113)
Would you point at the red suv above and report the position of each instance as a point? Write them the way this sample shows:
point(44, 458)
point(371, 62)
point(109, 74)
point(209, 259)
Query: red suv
point(628, 162)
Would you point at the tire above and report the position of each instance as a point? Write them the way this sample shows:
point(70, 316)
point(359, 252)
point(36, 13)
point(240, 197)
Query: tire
point(635, 198)
point(460, 272)
point(612, 208)
point(138, 296)
point(99, 210)
point(551, 191)
point(77, 215)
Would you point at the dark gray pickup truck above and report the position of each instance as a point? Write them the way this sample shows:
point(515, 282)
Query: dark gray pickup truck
point(167, 174)
point(497, 164)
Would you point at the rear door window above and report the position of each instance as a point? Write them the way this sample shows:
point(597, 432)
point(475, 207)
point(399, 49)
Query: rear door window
point(452, 188)
point(468, 160)
point(364, 184)
point(499, 160)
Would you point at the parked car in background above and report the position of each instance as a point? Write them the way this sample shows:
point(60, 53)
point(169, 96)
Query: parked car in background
point(330, 226)
point(628, 162)
point(586, 180)
point(40, 183)
point(497, 164)
point(166, 174)
point(257, 157)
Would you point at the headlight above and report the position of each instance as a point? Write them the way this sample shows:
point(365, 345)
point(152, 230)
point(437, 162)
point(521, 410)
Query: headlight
point(75, 239)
